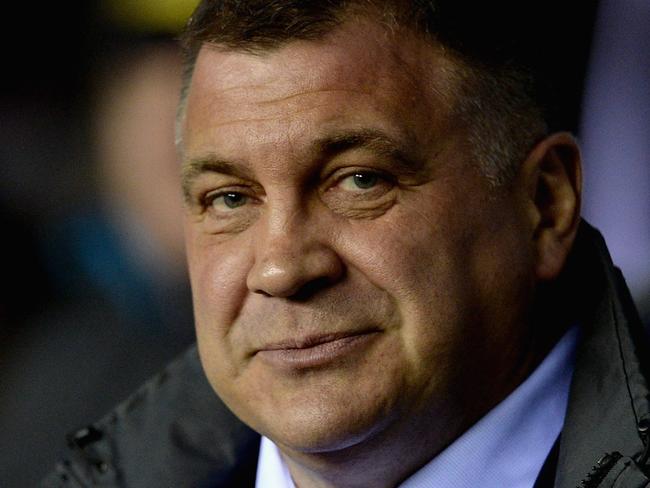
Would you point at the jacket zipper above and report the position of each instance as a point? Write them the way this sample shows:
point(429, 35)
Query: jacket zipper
point(600, 470)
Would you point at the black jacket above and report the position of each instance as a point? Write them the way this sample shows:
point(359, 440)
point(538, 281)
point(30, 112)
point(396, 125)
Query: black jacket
point(175, 432)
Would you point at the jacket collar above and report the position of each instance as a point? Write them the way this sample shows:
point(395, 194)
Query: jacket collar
point(609, 393)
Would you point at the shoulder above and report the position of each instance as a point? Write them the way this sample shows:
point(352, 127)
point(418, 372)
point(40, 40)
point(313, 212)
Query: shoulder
point(174, 431)
point(609, 402)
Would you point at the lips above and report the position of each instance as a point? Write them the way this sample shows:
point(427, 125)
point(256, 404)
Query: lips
point(315, 351)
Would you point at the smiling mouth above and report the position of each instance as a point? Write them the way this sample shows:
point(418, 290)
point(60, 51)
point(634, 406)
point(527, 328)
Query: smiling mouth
point(315, 351)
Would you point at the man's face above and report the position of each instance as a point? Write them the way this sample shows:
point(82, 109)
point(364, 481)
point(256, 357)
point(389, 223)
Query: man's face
point(352, 270)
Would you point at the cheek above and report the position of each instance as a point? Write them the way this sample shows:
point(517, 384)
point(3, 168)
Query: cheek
point(410, 252)
point(218, 279)
point(218, 274)
point(415, 258)
point(445, 263)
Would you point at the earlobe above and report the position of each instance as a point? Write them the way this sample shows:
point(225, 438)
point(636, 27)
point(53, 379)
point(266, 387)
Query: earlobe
point(553, 180)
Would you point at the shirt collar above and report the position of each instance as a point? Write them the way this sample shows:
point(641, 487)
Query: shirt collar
point(507, 447)
point(272, 471)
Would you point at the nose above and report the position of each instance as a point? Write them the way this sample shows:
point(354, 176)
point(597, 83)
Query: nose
point(293, 259)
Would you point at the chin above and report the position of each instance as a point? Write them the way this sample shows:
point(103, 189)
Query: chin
point(324, 430)
point(322, 441)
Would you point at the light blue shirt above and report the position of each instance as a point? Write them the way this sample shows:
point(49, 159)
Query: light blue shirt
point(505, 449)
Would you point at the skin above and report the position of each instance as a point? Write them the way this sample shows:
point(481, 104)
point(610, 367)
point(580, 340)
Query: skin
point(429, 265)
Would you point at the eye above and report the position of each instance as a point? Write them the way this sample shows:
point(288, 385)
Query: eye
point(360, 192)
point(362, 180)
point(226, 200)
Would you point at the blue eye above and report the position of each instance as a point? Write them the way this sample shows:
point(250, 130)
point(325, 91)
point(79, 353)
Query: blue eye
point(230, 200)
point(234, 200)
point(360, 181)
point(365, 180)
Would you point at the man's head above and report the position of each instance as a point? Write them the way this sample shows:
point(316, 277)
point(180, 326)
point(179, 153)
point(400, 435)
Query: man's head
point(506, 109)
point(360, 282)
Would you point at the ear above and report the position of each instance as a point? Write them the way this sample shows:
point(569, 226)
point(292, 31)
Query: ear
point(552, 179)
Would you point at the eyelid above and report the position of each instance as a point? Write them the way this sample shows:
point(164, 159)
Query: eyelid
point(208, 197)
point(339, 176)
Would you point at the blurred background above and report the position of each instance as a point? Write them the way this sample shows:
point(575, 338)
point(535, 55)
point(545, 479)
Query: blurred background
point(95, 297)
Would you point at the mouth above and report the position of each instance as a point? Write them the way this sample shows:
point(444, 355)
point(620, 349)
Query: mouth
point(315, 351)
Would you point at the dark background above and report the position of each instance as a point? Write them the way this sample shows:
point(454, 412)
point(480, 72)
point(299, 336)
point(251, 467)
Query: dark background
point(94, 297)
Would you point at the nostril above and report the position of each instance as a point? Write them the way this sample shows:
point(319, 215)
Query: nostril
point(311, 288)
point(262, 292)
point(301, 293)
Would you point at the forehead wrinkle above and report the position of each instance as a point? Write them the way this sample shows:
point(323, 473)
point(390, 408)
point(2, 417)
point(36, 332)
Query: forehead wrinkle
point(272, 108)
point(298, 100)
point(283, 116)
point(323, 91)
point(244, 88)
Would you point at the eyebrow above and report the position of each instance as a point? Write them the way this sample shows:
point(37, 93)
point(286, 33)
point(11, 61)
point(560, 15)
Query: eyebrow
point(372, 140)
point(210, 163)
point(325, 148)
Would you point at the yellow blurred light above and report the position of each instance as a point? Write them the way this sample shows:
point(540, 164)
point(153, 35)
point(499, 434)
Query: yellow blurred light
point(159, 16)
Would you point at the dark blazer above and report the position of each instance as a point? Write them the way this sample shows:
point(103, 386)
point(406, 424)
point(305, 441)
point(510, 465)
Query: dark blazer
point(175, 432)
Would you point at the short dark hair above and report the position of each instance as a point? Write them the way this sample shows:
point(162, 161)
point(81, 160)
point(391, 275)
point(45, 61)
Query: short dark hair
point(508, 98)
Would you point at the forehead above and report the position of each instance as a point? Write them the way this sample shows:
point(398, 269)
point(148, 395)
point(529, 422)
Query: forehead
point(361, 73)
